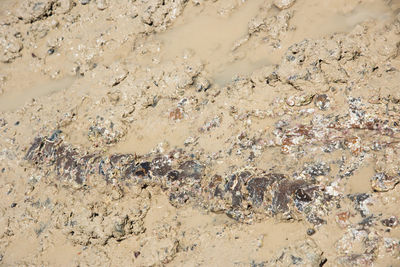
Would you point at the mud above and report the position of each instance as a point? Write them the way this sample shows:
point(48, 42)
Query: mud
point(206, 133)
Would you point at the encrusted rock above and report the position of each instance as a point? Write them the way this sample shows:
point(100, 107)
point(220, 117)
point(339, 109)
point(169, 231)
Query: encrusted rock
point(10, 46)
point(381, 182)
point(284, 4)
point(33, 10)
point(101, 4)
point(322, 101)
point(392, 222)
point(303, 253)
point(240, 195)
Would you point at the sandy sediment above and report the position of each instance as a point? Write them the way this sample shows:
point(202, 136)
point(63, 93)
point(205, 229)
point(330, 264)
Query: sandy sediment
point(187, 133)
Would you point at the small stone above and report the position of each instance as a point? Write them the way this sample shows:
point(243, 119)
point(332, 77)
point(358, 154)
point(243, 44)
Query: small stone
point(63, 6)
point(322, 101)
point(202, 84)
point(381, 182)
point(136, 253)
point(176, 114)
point(342, 219)
point(310, 231)
point(13, 205)
point(390, 222)
point(84, 2)
point(284, 4)
point(299, 100)
point(50, 51)
point(102, 4)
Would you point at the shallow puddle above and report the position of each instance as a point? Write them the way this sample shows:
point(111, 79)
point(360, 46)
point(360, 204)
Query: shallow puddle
point(360, 182)
point(6, 5)
point(13, 99)
point(212, 35)
point(315, 18)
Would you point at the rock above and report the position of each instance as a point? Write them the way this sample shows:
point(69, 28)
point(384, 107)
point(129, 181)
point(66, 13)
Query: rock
point(299, 100)
point(390, 222)
point(63, 6)
point(310, 231)
point(202, 84)
point(191, 169)
point(381, 182)
point(342, 219)
point(322, 101)
point(177, 114)
point(102, 4)
point(34, 10)
point(256, 188)
point(10, 47)
point(284, 4)
point(302, 253)
point(317, 169)
point(84, 2)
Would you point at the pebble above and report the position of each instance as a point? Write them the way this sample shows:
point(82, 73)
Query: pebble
point(322, 101)
point(390, 222)
point(84, 2)
point(283, 4)
point(102, 4)
point(310, 231)
point(63, 6)
point(202, 84)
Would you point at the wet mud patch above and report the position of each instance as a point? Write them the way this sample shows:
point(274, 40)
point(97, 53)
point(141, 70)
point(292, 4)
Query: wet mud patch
point(258, 127)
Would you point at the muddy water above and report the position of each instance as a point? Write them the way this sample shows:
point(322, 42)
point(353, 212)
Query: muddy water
point(219, 35)
point(5, 5)
point(314, 19)
point(211, 34)
point(16, 98)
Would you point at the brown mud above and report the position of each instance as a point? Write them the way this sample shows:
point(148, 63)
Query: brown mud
point(199, 133)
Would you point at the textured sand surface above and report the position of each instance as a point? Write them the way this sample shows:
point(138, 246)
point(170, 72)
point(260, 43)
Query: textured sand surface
point(199, 133)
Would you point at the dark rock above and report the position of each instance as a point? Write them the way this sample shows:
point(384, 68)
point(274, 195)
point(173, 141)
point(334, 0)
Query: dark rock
point(317, 169)
point(296, 260)
point(310, 231)
point(359, 201)
point(234, 186)
point(256, 188)
point(283, 193)
point(191, 169)
point(390, 222)
point(369, 221)
point(314, 219)
point(160, 166)
point(173, 175)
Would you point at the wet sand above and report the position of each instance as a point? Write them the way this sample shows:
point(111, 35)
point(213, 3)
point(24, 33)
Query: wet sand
point(199, 133)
